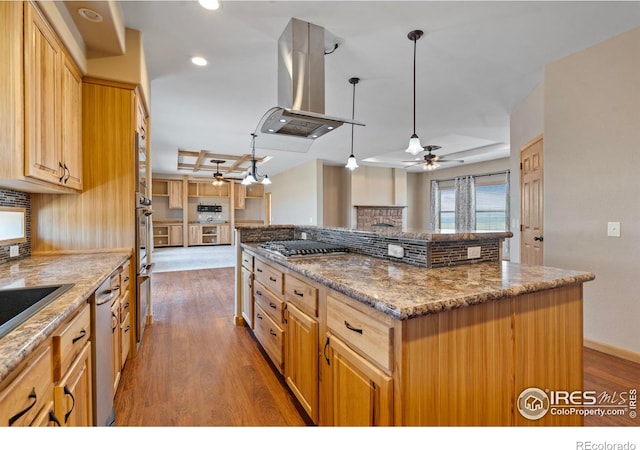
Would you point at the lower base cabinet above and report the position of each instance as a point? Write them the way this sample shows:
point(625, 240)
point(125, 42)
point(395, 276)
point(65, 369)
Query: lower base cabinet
point(72, 395)
point(361, 394)
point(301, 358)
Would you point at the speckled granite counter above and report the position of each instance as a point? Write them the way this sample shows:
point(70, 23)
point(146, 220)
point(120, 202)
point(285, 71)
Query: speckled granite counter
point(404, 291)
point(86, 271)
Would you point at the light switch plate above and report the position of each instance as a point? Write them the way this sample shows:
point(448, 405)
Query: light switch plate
point(303, 235)
point(473, 252)
point(14, 251)
point(396, 251)
point(613, 229)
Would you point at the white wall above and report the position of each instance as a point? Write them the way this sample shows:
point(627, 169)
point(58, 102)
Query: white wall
point(527, 122)
point(336, 196)
point(296, 195)
point(592, 167)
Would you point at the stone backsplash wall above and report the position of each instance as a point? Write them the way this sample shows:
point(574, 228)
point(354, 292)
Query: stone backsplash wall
point(260, 234)
point(453, 253)
point(20, 200)
point(372, 217)
point(369, 243)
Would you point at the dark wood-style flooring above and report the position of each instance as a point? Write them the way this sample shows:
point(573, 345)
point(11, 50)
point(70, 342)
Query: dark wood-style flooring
point(195, 368)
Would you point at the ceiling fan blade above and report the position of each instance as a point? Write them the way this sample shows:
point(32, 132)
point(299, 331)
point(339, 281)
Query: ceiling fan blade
point(450, 160)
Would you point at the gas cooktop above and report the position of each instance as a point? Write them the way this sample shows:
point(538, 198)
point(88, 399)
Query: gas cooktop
point(302, 247)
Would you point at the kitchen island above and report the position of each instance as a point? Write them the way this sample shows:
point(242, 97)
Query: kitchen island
point(391, 343)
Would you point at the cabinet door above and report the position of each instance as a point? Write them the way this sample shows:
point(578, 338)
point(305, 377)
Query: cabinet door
point(224, 234)
point(361, 394)
point(239, 193)
point(246, 294)
point(42, 61)
point(175, 235)
point(195, 235)
point(71, 125)
point(72, 395)
point(175, 195)
point(301, 358)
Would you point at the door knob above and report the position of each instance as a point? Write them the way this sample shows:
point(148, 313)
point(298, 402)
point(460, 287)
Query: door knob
point(538, 238)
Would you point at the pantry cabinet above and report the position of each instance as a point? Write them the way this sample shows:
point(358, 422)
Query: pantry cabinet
point(175, 194)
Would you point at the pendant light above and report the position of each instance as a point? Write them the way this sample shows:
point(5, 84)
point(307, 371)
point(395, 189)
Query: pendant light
point(351, 162)
point(414, 142)
point(252, 174)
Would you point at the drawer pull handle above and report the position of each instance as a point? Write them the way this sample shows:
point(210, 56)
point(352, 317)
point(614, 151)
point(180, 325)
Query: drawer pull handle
point(53, 418)
point(83, 333)
point(126, 305)
point(299, 294)
point(324, 351)
point(259, 293)
point(259, 316)
point(273, 279)
point(349, 327)
point(126, 330)
point(68, 392)
point(114, 322)
point(271, 332)
point(126, 280)
point(273, 305)
point(259, 270)
point(34, 400)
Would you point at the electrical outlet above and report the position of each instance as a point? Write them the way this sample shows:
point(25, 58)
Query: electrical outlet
point(613, 229)
point(303, 235)
point(14, 251)
point(395, 251)
point(473, 252)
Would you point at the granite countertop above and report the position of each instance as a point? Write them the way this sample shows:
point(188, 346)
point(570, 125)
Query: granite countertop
point(85, 270)
point(404, 291)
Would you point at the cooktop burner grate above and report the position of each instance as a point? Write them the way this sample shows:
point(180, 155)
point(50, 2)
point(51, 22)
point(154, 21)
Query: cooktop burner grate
point(302, 248)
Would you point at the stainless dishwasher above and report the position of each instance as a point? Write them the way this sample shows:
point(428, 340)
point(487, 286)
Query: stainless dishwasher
point(102, 354)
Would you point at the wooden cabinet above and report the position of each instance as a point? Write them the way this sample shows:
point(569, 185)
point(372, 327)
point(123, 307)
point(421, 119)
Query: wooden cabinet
point(116, 353)
point(195, 235)
point(246, 295)
point(224, 234)
point(361, 394)
point(22, 401)
point(301, 358)
point(53, 92)
point(167, 235)
point(207, 189)
point(214, 234)
point(175, 194)
point(73, 393)
point(270, 335)
point(239, 193)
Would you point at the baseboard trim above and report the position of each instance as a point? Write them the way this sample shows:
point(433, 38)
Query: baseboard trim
point(612, 350)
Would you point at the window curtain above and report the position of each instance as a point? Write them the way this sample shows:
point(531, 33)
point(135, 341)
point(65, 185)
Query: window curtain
point(465, 203)
point(506, 244)
point(435, 205)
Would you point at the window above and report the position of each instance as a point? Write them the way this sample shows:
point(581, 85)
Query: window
point(491, 207)
point(448, 209)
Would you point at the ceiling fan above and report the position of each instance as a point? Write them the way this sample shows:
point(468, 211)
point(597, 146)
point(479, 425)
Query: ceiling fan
point(431, 161)
point(218, 178)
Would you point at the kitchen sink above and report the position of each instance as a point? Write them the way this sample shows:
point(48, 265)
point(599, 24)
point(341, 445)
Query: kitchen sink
point(19, 304)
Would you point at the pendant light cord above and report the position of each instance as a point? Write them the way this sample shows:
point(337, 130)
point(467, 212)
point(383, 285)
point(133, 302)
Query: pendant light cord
point(415, 41)
point(353, 112)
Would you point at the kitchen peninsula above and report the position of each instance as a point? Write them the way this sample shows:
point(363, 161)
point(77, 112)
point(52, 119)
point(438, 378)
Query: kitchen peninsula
point(363, 338)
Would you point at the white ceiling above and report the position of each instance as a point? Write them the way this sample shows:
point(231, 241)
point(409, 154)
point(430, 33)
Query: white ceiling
point(475, 63)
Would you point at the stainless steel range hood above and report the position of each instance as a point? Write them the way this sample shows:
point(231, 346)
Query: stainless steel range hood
point(299, 119)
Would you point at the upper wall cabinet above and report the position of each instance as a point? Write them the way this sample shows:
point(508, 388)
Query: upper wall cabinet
point(41, 99)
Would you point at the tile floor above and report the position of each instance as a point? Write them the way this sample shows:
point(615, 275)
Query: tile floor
point(173, 259)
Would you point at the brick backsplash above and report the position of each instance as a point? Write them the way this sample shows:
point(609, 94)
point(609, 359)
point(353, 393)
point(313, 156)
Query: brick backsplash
point(21, 200)
point(371, 217)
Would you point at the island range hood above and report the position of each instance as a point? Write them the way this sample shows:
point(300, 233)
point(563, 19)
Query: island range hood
point(299, 119)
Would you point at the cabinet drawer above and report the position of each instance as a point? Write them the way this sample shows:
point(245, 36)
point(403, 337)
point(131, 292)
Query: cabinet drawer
point(270, 336)
point(269, 303)
point(124, 277)
point(270, 277)
point(125, 306)
point(301, 294)
point(247, 260)
point(361, 331)
point(69, 341)
point(29, 392)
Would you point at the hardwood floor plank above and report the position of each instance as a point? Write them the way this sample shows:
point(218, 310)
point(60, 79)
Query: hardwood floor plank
point(195, 368)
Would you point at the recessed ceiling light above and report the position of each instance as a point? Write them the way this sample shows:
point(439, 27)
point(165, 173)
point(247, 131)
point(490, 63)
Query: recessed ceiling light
point(314, 135)
point(271, 130)
point(329, 128)
point(283, 120)
point(199, 61)
point(210, 4)
point(90, 15)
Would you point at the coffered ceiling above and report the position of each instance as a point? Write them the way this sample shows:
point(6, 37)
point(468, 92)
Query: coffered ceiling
point(476, 62)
